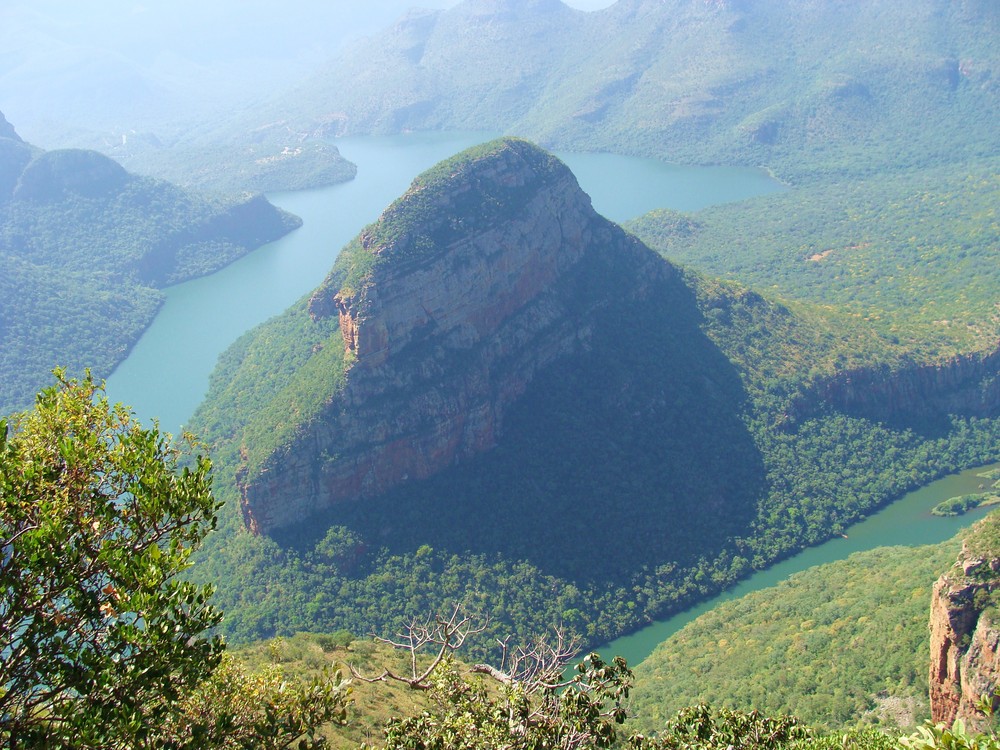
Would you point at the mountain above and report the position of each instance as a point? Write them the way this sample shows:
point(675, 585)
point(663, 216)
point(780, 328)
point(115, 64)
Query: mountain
point(810, 88)
point(85, 247)
point(500, 397)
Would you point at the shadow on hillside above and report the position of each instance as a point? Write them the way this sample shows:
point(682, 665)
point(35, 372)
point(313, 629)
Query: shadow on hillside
point(620, 459)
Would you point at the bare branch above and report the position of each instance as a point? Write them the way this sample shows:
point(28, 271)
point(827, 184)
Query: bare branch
point(443, 635)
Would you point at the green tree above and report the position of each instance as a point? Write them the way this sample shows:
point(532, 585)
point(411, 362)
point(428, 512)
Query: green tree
point(99, 637)
point(242, 709)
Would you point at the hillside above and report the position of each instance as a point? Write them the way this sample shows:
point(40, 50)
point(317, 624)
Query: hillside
point(914, 255)
point(816, 646)
point(493, 353)
point(809, 88)
point(85, 247)
point(851, 638)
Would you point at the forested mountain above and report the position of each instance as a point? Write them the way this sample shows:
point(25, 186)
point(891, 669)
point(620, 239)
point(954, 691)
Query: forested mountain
point(85, 247)
point(499, 397)
point(821, 87)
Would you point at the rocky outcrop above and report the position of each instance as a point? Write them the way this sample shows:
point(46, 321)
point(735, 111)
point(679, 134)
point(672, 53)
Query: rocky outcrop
point(479, 277)
point(965, 638)
point(966, 384)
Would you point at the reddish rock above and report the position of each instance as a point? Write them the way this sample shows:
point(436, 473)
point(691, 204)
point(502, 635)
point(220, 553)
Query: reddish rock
point(964, 646)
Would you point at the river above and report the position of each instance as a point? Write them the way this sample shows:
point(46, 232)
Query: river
point(906, 522)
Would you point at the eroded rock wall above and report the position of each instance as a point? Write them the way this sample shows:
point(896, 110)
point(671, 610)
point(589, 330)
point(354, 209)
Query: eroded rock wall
point(965, 641)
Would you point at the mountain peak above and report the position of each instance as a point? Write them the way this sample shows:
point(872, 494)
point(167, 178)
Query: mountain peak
point(470, 192)
point(491, 267)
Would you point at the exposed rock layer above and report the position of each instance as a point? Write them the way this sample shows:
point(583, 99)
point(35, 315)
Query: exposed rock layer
point(967, 384)
point(965, 641)
point(465, 304)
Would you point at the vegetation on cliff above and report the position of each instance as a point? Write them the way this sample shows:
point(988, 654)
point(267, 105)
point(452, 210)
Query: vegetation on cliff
point(85, 248)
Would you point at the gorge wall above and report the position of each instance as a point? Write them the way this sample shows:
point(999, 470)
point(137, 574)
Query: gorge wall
point(964, 632)
point(965, 384)
point(481, 275)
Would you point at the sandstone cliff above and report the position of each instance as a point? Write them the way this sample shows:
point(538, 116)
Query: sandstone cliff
point(478, 278)
point(965, 634)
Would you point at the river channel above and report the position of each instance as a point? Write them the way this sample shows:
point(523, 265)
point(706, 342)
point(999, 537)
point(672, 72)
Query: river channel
point(906, 522)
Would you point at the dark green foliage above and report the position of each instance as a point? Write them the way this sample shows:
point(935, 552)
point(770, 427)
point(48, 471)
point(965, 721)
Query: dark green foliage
point(84, 249)
point(98, 636)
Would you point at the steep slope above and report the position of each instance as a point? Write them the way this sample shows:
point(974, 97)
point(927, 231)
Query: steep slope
point(807, 87)
point(482, 275)
point(965, 635)
point(84, 247)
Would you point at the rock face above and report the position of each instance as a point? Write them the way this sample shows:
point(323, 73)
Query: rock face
point(479, 277)
point(967, 384)
point(965, 639)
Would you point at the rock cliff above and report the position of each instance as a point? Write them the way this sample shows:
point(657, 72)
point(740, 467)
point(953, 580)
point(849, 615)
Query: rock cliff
point(483, 274)
point(965, 384)
point(965, 634)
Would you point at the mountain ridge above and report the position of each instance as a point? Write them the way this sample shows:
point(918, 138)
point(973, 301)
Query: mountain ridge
point(793, 86)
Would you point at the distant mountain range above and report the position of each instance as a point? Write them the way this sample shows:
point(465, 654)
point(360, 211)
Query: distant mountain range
point(827, 86)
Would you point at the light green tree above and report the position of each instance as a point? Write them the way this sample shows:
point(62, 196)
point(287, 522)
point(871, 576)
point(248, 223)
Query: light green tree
point(98, 635)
